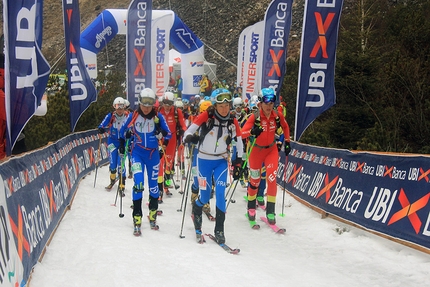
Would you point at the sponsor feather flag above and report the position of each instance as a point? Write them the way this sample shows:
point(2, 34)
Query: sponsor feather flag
point(138, 39)
point(276, 31)
point(315, 91)
point(81, 89)
point(26, 69)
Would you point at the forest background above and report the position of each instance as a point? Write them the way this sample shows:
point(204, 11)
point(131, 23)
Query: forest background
point(382, 69)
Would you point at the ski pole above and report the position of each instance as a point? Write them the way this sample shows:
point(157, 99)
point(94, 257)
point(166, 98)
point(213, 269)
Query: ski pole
point(186, 183)
point(186, 193)
point(284, 180)
point(98, 159)
point(121, 215)
point(243, 167)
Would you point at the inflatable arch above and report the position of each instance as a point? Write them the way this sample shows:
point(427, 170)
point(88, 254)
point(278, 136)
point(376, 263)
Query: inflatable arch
point(112, 22)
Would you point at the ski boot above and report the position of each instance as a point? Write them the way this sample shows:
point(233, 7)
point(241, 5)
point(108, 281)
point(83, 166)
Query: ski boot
point(270, 213)
point(197, 220)
point(113, 180)
point(137, 222)
point(219, 226)
point(152, 219)
point(260, 200)
point(219, 236)
point(121, 187)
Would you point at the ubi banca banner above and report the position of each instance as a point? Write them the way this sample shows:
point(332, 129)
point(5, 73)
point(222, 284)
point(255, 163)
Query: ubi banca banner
point(385, 193)
point(35, 190)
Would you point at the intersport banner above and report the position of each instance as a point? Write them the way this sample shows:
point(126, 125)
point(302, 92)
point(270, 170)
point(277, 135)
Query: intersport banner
point(253, 59)
point(315, 91)
point(162, 21)
point(276, 32)
point(26, 69)
point(82, 91)
point(138, 42)
point(241, 57)
point(388, 194)
point(35, 191)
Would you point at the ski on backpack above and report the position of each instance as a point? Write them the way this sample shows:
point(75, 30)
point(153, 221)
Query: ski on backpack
point(223, 245)
point(273, 226)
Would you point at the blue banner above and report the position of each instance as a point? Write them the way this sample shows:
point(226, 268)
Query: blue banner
point(100, 32)
point(35, 191)
point(315, 91)
point(81, 89)
point(276, 31)
point(388, 194)
point(26, 70)
point(139, 74)
point(182, 38)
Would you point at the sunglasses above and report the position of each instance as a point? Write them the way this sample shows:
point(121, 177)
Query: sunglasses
point(267, 99)
point(147, 102)
point(222, 98)
point(119, 107)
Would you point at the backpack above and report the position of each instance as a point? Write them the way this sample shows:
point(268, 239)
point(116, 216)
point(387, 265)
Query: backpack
point(209, 87)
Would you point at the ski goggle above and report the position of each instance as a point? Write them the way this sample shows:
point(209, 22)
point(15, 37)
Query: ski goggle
point(168, 103)
point(267, 99)
point(147, 102)
point(119, 106)
point(222, 98)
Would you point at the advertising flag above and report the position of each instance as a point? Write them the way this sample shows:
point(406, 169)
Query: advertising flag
point(26, 69)
point(241, 57)
point(81, 89)
point(276, 31)
point(315, 91)
point(139, 74)
point(253, 58)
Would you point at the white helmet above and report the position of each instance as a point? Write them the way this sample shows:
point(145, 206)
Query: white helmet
point(237, 102)
point(169, 96)
point(147, 97)
point(118, 103)
point(179, 104)
point(126, 103)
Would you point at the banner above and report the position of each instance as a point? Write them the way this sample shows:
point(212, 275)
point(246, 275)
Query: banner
point(253, 59)
point(162, 21)
point(81, 89)
point(35, 191)
point(26, 70)
point(276, 31)
point(241, 57)
point(315, 91)
point(389, 194)
point(192, 56)
point(139, 72)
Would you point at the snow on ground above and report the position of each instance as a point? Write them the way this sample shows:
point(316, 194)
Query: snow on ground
point(93, 246)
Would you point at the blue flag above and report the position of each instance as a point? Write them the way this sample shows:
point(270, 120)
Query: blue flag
point(81, 89)
point(315, 91)
point(138, 53)
point(276, 31)
point(26, 69)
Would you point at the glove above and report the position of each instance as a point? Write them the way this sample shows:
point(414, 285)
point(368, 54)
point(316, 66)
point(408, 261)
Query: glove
point(101, 130)
point(256, 131)
point(287, 148)
point(237, 168)
point(121, 148)
point(192, 139)
point(161, 151)
point(279, 145)
point(128, 134)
